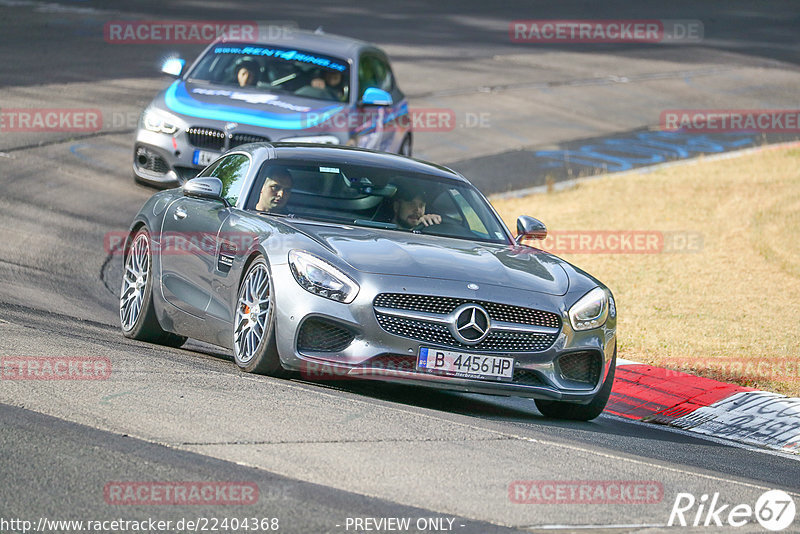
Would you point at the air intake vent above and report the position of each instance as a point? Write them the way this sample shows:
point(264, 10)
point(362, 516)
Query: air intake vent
point(581, 366)
point(321, 335)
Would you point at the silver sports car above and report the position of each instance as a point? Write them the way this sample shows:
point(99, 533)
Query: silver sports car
point(343, 263)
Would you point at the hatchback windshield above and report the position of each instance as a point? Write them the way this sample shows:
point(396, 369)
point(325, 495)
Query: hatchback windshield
point(375, 197)
point(275, 69)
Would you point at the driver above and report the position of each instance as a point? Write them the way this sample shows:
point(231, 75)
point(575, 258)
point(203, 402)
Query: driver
point(276, 191)
point(330, 82)
point(409, 209)
point(247, 73)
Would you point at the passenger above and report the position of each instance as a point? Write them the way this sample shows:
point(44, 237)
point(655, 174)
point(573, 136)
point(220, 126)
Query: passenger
point(247, 73)
point(275, 192)
point(409, 209)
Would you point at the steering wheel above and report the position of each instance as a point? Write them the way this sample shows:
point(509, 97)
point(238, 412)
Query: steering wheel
point(445, 229)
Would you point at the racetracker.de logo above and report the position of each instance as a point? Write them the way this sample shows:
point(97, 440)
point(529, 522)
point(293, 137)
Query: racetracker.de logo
point(178, 31)
point(585, 492)
point(620, 242)
point(328, 372)
point(55, 368)
point(544, 31)
point(731, 120)
point(180, 493)
point(380, 120)
point(50, 120)
point(180, 243)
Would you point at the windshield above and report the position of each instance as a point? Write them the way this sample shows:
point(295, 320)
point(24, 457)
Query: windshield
point(375, 197)
point(275, 70)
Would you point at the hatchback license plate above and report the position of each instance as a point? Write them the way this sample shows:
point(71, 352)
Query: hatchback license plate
point(465, 365)
point(203, 157)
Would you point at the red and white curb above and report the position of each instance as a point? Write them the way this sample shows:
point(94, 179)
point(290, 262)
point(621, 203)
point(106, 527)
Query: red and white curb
point(705, 406)
point(692, 403)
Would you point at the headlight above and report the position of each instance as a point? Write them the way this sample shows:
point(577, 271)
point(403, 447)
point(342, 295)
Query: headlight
point(318, 276)
point(155, 122)
point(322, 139)
point(590, 311)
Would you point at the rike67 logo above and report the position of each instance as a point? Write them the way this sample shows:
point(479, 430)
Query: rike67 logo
point(774, 510)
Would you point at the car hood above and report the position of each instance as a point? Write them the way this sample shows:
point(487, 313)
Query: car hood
point(247, 106)
point(396, 253)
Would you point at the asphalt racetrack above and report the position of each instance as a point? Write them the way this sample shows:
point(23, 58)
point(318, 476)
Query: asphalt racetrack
point(344, 457)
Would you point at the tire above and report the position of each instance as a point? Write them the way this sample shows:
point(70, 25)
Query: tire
point(136, 312)
point(580, 412)
point(254, 346)
point(405, 147)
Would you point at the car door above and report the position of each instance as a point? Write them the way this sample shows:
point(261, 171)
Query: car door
point(190, 238)
point(389, 123)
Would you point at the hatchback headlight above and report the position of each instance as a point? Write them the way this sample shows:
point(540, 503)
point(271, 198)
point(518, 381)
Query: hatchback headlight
point(318, 276)
point(591, 311)
point(156, 122)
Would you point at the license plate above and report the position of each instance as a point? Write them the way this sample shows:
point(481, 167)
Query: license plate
point(204, 157)
point(465, 365)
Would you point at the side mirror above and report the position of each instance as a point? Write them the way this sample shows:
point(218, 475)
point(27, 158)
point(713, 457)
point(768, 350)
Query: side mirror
point(530, 228)
point(376, 97)
point(209, 188)
point(173, 66)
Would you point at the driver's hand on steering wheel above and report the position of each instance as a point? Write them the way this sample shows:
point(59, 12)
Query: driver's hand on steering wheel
point(429, 219)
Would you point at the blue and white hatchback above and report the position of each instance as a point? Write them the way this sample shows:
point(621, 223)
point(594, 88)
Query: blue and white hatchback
point(302, 87)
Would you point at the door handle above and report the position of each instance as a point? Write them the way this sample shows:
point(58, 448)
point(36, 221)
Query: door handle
point(180, 213)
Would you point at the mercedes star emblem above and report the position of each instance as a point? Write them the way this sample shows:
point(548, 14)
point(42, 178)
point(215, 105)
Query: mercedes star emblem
point(471, 324)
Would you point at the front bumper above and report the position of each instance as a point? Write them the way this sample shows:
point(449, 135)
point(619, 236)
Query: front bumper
point(163, 160)
point(364, 357)
point(167, 160)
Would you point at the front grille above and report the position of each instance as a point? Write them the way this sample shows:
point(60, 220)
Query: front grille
point(150, 161)
point(320, 335)
point(444, 305)
point(206, 138)
point(243, 138)
point(439, 334)
point(581, 366)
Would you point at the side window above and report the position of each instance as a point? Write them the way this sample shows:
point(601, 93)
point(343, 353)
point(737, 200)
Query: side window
point(208, 170)
point(231, 170)
point(374, 72)
point(473, 219)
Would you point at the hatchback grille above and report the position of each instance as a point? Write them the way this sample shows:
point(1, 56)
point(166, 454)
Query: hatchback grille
point(243, 138)
point(323, 336)
point(206, 138)
point(582, 366)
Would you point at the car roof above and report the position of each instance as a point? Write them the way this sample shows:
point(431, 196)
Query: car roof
point(329, 44)
point(351, 155)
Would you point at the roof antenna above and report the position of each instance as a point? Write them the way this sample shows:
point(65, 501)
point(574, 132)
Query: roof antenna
point(319, 31)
